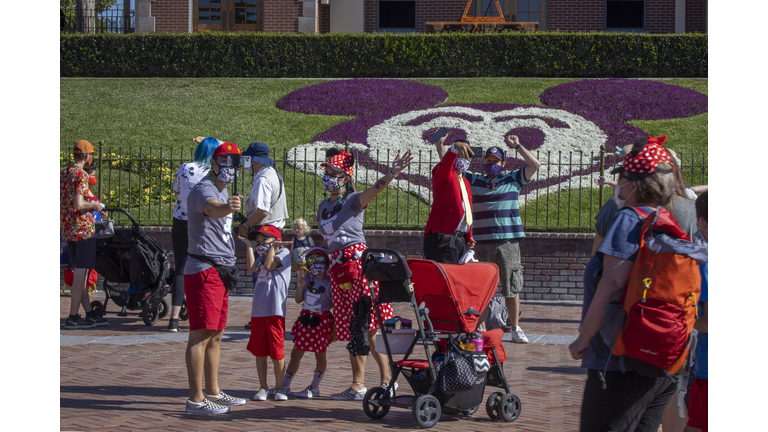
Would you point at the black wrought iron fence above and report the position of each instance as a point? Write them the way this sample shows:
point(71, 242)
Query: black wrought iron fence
point(91, 21)
point(562, 197)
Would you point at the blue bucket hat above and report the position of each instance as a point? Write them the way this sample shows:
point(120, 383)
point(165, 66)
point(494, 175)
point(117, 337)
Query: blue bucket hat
point(259, 153)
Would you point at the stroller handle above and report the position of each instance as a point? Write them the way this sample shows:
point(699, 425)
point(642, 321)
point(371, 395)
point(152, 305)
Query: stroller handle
point(119, 210)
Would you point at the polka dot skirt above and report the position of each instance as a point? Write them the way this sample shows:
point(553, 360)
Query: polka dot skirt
point(343, 299)
point(313, 339)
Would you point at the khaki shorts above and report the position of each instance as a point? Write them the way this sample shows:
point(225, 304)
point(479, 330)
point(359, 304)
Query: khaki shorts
point(506, 255)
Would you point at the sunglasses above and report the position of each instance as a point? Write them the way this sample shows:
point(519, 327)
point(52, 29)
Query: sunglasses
point(316, 260)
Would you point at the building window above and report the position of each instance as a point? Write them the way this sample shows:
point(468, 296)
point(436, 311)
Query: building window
point(528, 10)
point(227, 15)
point(625, 15)
point(397, 15)
point(488, 8)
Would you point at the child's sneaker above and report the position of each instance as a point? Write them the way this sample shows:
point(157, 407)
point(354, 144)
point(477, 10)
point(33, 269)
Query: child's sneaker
point(224, 399)
point(350, 394)
point(260, 395)
point(75, 322)
point(206, 407)
point(518, 336)
point(280, 395)
point(271, 392)
point(309, 393)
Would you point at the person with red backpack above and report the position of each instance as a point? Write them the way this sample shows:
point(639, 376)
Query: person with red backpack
point(626, 390)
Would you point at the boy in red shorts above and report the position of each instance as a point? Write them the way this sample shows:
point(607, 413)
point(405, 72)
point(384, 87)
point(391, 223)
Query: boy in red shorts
point(208, 276)
point(697, 411)
point(270, 290)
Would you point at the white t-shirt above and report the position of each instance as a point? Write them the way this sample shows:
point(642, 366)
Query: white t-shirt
point(260, 196)
point(187, 176)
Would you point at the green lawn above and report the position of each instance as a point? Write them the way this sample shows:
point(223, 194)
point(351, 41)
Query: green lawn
point(163, 115)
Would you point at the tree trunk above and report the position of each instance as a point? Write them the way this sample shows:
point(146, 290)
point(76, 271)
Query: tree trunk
point(86, 16)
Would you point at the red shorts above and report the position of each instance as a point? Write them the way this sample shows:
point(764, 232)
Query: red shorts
point(207, 300)
point(697, 411)
point(267, 337)
point(313, 339)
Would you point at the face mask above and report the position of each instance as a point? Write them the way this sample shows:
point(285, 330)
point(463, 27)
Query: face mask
point(92, 181)
point(263, 248)
point(89, 162)
point(317, 269)
point(226, 175)
point(330, 183)
point(461, 165)
point(492, 170)
point(620, 202)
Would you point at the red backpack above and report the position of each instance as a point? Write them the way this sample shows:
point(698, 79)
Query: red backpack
point(659, 305)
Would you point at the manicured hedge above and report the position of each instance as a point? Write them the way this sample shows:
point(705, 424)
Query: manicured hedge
point(570, 55)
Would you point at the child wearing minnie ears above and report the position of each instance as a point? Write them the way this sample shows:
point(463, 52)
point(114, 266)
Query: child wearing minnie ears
point(313, 331)
point(270, 289)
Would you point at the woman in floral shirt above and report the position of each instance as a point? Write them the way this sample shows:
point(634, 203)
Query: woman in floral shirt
point(187, 177)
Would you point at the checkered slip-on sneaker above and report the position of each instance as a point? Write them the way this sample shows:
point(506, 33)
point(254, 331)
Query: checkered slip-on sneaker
point(391, 392)
point(260, 395)
point(224, 399)
point(350, 394)
point(206, 407)
point(309, 393)
point(79, 323)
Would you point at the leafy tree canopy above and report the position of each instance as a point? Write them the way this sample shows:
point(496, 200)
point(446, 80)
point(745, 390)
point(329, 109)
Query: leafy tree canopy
point(69, 6)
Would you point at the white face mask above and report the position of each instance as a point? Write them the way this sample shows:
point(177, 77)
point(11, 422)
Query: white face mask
point(620, 202)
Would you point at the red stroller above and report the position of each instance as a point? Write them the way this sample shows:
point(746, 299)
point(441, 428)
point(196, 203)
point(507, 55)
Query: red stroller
point(447, 300)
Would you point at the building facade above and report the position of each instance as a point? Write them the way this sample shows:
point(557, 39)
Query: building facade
point(411, 16)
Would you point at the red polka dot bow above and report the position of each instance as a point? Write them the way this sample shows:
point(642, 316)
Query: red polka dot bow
point(343, 162)
point(649, 157)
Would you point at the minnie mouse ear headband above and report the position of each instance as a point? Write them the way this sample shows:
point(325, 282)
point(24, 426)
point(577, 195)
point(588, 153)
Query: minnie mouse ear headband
point(317, 249)
point(645, 157)
point(342, 162)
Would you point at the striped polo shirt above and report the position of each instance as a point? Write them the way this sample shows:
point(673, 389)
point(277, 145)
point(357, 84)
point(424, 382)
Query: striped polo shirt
point(496, 212)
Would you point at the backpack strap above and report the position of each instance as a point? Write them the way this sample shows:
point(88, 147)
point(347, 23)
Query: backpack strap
point(692, 342)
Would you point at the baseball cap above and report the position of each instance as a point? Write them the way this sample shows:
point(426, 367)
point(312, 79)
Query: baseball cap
point(317, 249)
point(83, 146)
point(267, 230)
point(259, 153)
point(341, 162)
point(496, 152)
point(226, 148)
point(647, 160)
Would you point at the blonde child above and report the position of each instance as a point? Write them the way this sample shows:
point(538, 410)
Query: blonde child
point(270, 291)
point(313, 331)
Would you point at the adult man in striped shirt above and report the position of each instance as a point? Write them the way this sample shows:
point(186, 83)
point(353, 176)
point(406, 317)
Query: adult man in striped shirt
point(497, 226)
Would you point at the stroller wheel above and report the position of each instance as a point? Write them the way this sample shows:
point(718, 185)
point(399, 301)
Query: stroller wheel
point(510, 407)
point(98, 307)
point(183, 312)
point(371, 410)
point(492, 405)
point(426, 411)
point(150, 313)
point(163, 308)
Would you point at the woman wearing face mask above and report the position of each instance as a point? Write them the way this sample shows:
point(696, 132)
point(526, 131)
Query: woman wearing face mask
point(340, 221)
point(187, 176)
point(631, 401)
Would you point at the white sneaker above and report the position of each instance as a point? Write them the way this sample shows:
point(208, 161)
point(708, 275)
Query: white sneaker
point(280, 395)
point(518, 336)
point(224, 399)
point(309, 393)
point(206, 407)
point(260, 395)
point(271, 392)
point(350, 394)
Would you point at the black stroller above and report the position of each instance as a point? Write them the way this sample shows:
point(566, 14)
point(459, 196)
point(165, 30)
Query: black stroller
point(451, 296)
point(136, 272)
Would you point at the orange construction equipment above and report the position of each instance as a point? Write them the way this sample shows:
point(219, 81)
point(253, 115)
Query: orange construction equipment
point(465, 18)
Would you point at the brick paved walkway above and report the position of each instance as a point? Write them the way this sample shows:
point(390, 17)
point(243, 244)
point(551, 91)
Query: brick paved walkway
point(144, 386)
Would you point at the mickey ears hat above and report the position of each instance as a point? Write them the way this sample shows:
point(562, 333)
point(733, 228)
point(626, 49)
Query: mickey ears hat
point(226, 148)
point(645, 158)
point(267, 230)
point(317, 249)
point(342, 162)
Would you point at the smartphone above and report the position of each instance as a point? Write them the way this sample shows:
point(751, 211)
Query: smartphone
point(476, 152)
point(439, 134)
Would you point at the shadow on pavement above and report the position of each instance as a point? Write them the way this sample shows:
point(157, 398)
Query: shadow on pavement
point(548, 320)
point(560, 370)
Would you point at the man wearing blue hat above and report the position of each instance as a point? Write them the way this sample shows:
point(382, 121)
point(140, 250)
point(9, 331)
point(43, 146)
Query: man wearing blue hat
point(497, 225)
point(266, 203)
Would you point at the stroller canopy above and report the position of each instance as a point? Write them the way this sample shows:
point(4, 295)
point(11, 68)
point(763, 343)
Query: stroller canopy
point(469, 287)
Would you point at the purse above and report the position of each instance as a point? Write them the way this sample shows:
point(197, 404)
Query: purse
point(456, 373)
point(345, 273)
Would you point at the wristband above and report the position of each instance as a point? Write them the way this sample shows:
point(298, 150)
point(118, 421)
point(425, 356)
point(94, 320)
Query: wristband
point(518, 146)
point(391, 174)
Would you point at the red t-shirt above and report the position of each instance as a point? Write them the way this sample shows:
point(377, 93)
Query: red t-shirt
point(75, 225)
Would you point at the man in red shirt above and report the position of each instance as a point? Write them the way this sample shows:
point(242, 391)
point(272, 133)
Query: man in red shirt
point(448, 234)
point(78, 229)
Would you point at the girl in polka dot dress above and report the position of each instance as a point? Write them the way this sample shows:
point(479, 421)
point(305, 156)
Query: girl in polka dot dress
point(313, 330)
point(340, 221)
